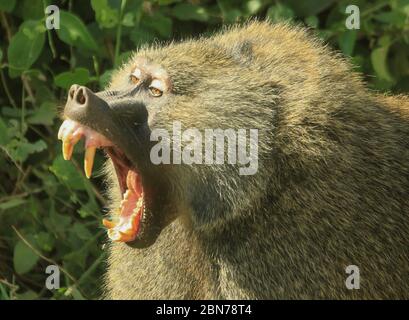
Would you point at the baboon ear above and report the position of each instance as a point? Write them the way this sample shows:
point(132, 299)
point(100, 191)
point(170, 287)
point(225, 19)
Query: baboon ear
point(242, 52)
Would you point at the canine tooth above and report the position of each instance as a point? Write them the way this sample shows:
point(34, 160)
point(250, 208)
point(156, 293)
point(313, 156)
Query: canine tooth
point(89, 160)
point(67, 148)
point(119, 236)
point(108, 224)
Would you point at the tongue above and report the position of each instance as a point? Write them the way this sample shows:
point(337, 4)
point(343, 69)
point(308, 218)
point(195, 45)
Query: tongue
point(133, 182)
point(127, 226)
point(131, 195)
point(128, 203)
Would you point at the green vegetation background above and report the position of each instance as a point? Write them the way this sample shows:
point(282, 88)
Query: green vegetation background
point(51, 214)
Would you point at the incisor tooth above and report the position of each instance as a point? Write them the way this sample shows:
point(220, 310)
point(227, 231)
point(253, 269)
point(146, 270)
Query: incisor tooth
point(89, 160)
point(67, 148)
point(61, 131)
point(138, 206)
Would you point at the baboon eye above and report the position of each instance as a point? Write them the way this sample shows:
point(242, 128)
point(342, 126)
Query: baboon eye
point(135, 77)
point(134, 80)
point(156, 88)
point(155, 91)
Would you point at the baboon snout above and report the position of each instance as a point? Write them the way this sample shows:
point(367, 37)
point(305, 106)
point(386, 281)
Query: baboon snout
point(82, 104)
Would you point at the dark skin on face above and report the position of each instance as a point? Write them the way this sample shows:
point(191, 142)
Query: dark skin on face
point(119, 122)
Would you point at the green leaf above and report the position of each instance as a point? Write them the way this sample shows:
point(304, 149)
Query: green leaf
point(28, 295)
point(280, 12)
point(253, 6)
point(26, 45)
point(312, 21)
point(30, 9)
point(159, 23)
point(4, 135)
point(24, 258)
point(308, 8)
point(58, 223)
point(128, 19)
point(81, 231)
point(67, 173)
point(12, 203)
point(230, 12)
point(187, 11)
point(380, 63)
point(142, 35)
point(106, 16)
point(77, 76)
point(347, 42)
point(167, 2)
point(393, 18)
point(104, 79)
point(124, 57)
point(44, 115)
point(74, 32)
point(3, 293)
point(45, 241)
point(76, 294)
point(7, 5)
point(19, 149)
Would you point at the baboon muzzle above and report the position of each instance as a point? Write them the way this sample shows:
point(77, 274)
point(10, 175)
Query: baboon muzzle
point(102, 110)
point(116, 122)
point(83, 104)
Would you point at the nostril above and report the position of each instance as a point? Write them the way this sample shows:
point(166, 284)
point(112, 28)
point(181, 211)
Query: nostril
point(71, 93)
point(80, 96)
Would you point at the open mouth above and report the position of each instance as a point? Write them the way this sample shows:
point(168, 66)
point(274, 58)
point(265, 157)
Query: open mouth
point(126, 223)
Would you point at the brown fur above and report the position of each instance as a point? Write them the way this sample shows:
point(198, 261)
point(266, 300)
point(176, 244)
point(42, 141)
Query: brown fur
point(331, 189)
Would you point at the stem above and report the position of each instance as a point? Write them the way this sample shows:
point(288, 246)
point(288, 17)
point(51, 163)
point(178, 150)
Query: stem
point(12, 159)
point(3, 78)
point(27, 87)
point(95, 264)
point(91, 269)
point(5, 25)
point(23, 110)
point(119, 33)
point(6, 89)
point(374, 8)
point(50, 38)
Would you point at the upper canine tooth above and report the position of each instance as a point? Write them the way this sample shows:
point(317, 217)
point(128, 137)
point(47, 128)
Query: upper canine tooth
point(89, 160)
point(67, 148)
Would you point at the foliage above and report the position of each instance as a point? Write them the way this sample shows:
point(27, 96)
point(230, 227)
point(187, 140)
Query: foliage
point(49, 213)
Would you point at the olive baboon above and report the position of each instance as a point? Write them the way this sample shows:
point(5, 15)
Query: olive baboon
point(331, 188)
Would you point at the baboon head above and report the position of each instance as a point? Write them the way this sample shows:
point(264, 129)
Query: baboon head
point(202, 84)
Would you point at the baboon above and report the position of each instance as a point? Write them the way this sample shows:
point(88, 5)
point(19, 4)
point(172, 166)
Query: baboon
point(331, 189)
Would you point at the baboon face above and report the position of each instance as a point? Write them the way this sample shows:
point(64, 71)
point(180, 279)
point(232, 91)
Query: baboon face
point(199, 84)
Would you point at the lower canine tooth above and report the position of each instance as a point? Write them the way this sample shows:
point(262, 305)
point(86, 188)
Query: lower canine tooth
point(89, 160)
point(108, 224)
